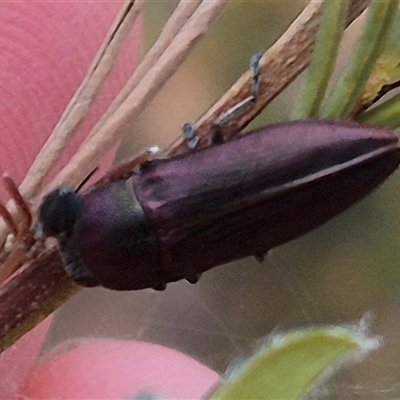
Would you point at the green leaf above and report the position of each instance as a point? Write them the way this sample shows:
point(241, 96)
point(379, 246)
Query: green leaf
point(292, 364)
point(386, 114)
point(323, 60)
point(385, 72)
point(391, 53)
point(387, 68)
point(353, 81)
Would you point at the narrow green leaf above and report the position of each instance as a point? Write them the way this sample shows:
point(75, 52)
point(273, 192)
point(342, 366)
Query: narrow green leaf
point(292, 364)
point(392, 47)
point(323, 60)
point(387, 68)
point(352, 83)
point(386, 114)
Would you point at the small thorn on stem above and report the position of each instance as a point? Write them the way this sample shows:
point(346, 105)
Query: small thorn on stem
point(16, 246)
point(15, 194)
point(8, 219)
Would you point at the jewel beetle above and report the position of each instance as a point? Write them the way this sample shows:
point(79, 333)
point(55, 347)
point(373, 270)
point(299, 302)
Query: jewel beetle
point(176, 218)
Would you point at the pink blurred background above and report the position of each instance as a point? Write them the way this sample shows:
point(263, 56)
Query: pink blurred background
point(333, 275)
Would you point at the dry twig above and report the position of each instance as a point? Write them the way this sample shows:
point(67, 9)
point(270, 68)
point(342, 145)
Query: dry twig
point(43, 285)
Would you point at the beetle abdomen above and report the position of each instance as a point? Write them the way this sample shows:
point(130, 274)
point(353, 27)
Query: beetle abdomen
point(260, 190)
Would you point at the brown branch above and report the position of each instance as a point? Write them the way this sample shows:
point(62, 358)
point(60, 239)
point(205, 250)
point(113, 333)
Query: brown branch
point(39, 289)
point(280, 65)
point(42, 286)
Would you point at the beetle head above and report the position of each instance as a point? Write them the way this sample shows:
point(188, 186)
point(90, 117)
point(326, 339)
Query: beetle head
point(59, 211)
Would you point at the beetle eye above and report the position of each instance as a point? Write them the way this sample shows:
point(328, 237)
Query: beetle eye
point(59, 211)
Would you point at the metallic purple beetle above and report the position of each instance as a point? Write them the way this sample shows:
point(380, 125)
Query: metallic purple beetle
point(179, 217)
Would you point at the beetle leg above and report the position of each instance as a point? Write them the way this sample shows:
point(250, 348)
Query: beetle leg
point(73, 263)
point(160, 287)
point(189, 129)
point(240, 108)
point(236, 111)
point(259, 257)
point(256, 71)
point(193, 278)
point(189, 133)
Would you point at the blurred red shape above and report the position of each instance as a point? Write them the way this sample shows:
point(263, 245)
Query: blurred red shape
point(105, 369)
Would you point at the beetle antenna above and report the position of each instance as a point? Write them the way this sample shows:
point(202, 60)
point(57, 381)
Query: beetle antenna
point(85, 180)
